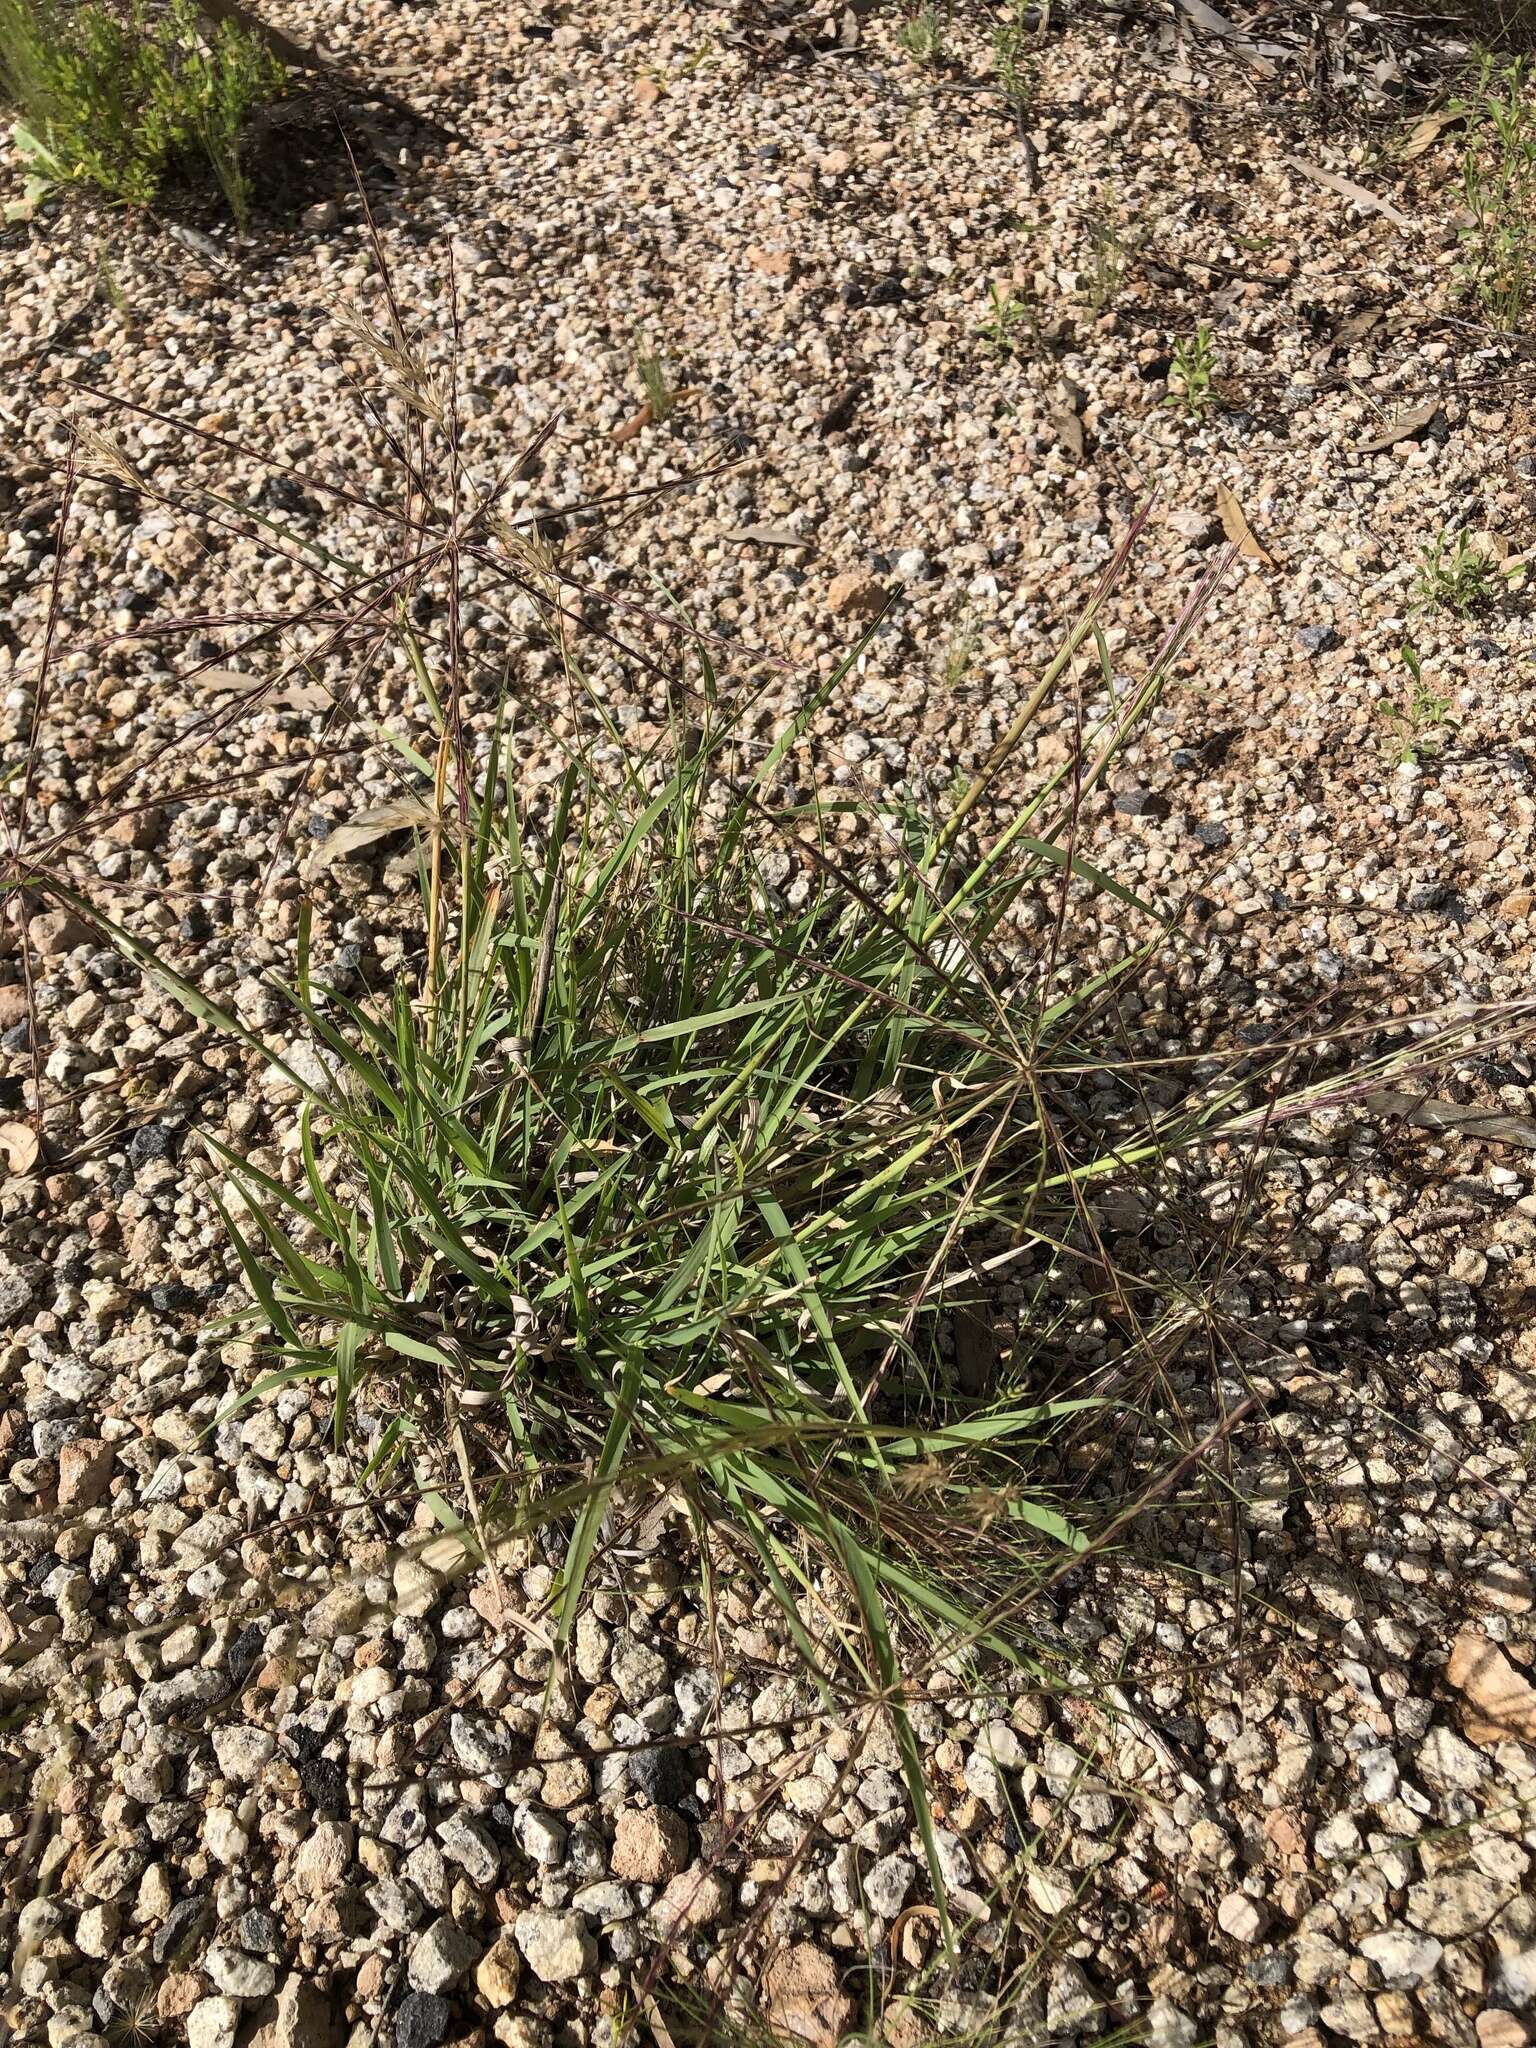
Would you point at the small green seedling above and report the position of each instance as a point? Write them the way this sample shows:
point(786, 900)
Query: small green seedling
point(705, 58)
point(1417, 726)
point(960, 653)
point(44, 171)
point(1013, 57)
point(1007, 323)
point(922, 33)
point(1455, 575)
point(659, 394)
point(1191, 380)
point(1106, 257)
point(1498, 181)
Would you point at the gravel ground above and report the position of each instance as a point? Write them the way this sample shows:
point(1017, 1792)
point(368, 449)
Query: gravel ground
point(271, 1769)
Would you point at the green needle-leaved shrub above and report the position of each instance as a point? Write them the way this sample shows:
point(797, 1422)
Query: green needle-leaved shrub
point(118, 97)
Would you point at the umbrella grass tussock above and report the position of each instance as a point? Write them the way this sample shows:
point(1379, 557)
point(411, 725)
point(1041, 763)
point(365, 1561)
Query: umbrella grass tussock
point(675, 1162)
point(682, 1154)
point(703, 1152)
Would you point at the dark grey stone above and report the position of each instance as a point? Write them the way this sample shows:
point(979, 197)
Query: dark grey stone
point(422, 2020)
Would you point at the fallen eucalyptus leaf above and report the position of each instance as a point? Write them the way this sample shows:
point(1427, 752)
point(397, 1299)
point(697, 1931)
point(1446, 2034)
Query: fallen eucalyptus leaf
point(1348, 189)
point(1235, 524)
point(292, 695)
point(1426, 132)
point(1427, 1113)
point(769, 537)
point(1406, 427)
point(1252, 52)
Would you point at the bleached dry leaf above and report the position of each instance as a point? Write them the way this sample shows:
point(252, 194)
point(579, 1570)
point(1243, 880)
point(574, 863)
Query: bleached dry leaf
point(291, 695)
point(1426, 132)
point(1252, 52)
point(1235, 524)
point(1406, 427)
point(768, 537)
point(1348, 189)
point(19, 1144)
point(405, 813)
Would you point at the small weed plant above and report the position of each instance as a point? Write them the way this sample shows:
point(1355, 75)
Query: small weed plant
point(670, 1159)
point(924, 32)
point(659, 393)
point(1191, 380)
point(118, 99)
point(1008, 323)
point(1419, 723)
point(1013, 44)
point(676, 1149)
point(653, 1176)
point(1107, 258)
point(1455, 575)
point(1498, 177)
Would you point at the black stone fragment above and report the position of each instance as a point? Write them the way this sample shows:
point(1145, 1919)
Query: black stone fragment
point(421, 2021)
point(153, 1141)
point(664, 1775)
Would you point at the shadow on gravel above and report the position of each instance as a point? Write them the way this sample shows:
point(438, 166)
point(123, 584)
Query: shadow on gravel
point(310, 148)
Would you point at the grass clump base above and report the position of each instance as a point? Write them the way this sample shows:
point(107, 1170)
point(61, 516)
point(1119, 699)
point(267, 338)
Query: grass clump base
point(117, 97)
point(669, 1169)
point(670, 1163)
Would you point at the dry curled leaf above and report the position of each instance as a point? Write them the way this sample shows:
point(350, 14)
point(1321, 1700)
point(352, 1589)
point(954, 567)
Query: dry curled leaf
point(1426, 132)
point(19, 1144)
point(635, 424)
point(839, 415)
point(290, 695)
point(906, 1944)
point(1408, 426)
point(406, 813)
point(1358, 325)
point(1235, 525)
point(646, 416)
point(1068, 429)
